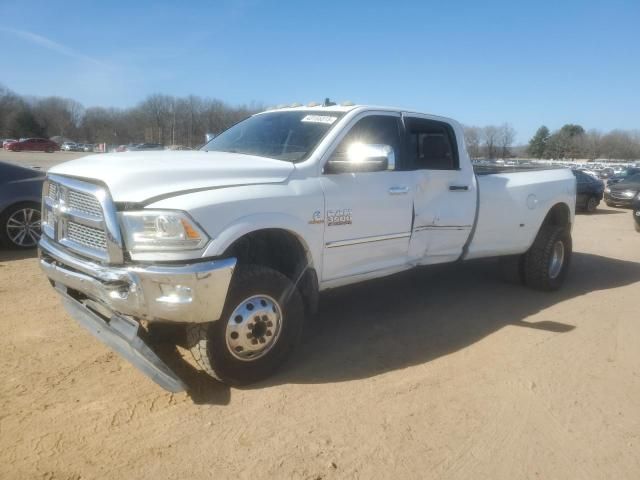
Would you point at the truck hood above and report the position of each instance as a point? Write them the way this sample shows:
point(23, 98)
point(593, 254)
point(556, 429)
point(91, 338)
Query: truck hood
point(140, 176)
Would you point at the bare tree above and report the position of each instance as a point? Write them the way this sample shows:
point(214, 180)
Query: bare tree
point(506, 137)
point(58, 116)
point(490, 137)
point(472, 140)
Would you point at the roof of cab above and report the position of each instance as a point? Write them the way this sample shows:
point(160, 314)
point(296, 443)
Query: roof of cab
point(349, 108)
point(319, 108)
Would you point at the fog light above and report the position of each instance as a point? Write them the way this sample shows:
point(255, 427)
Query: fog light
point(175, 294)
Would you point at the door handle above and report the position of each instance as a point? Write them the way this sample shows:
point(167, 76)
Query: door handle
point(459, 188)
point(398, 190)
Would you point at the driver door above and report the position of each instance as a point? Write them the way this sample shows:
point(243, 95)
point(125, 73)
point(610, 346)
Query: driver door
point(367, 213)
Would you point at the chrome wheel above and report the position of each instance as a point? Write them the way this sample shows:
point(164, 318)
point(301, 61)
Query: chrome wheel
point(23, 227)
point(557, 260)
point(253, 327)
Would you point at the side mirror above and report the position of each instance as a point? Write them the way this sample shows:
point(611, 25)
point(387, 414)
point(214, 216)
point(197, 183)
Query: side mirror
point(361, 157)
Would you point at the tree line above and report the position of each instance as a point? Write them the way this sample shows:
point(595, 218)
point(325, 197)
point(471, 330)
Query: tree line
point(170, 120)
point(163, 119)
point(490, 142)
point(573, 142)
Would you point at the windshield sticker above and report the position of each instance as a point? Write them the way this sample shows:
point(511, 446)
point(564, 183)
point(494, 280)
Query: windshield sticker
point(319, 119)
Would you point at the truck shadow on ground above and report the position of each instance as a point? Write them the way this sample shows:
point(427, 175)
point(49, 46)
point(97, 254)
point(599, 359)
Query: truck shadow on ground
point(418, 316)
point(601, 211)
point(12, 255)
point(415, 317)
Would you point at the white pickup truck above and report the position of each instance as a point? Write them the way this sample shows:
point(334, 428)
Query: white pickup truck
point(234, 242)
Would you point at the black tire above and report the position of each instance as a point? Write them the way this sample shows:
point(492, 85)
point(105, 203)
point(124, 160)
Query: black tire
point(5, 238)
point(538, 269)
point(592, 204)
point(609, 204)
point(49, 150)
point(209, 344)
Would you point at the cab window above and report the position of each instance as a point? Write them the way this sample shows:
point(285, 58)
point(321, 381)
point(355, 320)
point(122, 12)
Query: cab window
point(373, 129)
point(431, 145)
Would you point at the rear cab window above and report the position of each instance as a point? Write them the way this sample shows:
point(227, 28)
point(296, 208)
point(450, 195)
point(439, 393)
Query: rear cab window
point(431, 145)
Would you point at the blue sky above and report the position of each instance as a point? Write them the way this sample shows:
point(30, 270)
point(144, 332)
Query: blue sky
point(481, 62)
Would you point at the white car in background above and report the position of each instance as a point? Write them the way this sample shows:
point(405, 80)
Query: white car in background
point(69, 147)
point(7, 141)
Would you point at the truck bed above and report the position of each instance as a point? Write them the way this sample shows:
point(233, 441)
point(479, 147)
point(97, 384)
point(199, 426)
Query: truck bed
point(513, 202)
point(493, 169)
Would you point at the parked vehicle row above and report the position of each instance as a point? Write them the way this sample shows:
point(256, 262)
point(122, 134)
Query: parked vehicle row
point(44, 145)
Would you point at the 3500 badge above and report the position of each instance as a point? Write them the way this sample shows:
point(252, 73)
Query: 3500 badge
point(339, 217)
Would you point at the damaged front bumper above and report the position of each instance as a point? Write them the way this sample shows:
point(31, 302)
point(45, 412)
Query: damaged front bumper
point(109, 301)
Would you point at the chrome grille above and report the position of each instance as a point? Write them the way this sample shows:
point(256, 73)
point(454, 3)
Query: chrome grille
point(53, 190)
point(87, 236)
point(85, 203)
point(82, 217)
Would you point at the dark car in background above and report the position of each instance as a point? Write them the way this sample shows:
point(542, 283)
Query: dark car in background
point(619, 177)
point(33, 145)
point(589, 191)
point(20, 198)
point(623, 193)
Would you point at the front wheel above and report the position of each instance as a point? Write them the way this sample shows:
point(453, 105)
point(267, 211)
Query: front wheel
point(260, 324)
point(592, 204)
point(546, 263)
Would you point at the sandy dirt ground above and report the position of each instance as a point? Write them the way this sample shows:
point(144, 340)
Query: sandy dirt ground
point(442, 373)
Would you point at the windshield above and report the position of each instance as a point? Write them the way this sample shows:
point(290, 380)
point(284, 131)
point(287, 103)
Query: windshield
point(628, 171)
point(635, 178)
point(290, 136)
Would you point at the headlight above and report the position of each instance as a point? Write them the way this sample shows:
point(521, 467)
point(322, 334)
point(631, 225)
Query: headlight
point(161, 230)
point(629, 193)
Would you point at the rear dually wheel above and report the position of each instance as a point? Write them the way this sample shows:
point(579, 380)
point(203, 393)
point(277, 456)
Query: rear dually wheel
point(546, 263)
